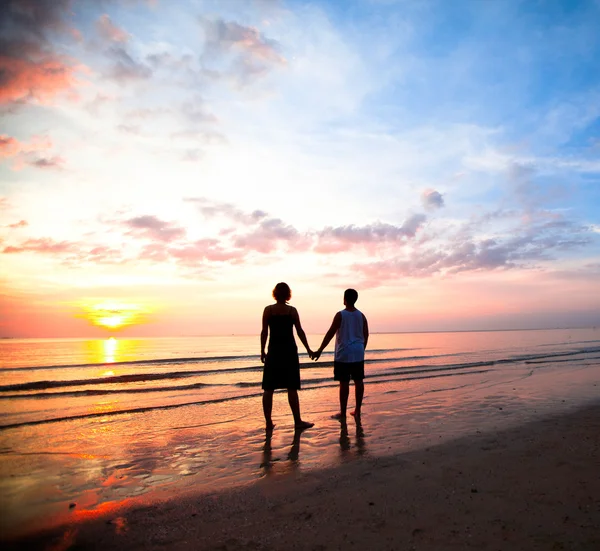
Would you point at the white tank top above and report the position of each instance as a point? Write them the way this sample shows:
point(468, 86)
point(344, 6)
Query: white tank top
point(350, 339)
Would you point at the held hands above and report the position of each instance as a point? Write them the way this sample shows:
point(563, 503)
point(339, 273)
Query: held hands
point(314, 355)
point(263, 356)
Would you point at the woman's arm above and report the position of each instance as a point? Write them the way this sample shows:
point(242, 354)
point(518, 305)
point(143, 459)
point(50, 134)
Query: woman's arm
point(300, 331)
point(263, 334)
point(365, 330)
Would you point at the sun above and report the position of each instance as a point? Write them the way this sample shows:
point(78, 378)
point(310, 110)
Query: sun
point(114, 321)
point(114, 315)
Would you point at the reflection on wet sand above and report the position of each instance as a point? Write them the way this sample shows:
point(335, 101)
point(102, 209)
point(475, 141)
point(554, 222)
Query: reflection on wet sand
point(345, 442)
point(293, 455)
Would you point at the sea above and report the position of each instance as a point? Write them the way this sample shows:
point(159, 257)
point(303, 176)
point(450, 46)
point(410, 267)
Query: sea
point(90, 425)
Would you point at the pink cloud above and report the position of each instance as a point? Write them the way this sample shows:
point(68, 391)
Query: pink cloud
point(344, 238)
point(269, 235)
point(30, 68)
point(213, 209)
point(205, 249)
point(152, 227)
point(43, 245)
point(109, 31)
point(68, 252)
point(19, 224)
point(26, 80)
point(524, 249)
point(11, 147)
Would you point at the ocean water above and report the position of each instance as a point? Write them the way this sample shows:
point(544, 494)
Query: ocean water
point(99, 423)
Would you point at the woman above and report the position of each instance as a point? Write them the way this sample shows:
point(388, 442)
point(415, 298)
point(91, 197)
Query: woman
point(282, 367)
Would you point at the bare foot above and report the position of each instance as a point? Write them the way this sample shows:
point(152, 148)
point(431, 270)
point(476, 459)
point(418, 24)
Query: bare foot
point(303, 425)
point(339, 416)
point(355, 413)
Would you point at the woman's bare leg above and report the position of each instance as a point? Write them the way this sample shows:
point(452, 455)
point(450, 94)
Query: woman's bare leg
point(295, 407)
point(267, 402)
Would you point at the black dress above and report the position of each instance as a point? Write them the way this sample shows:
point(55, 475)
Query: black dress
point(282, 367)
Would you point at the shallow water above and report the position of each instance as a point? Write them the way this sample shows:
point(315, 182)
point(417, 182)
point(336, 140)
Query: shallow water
point(134, 440)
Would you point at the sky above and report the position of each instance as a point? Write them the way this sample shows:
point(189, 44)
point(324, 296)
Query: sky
point(163, 164)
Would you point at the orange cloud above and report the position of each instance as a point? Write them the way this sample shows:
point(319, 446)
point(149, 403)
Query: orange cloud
point(25, 80)
point(29, 153)
point(11, 147)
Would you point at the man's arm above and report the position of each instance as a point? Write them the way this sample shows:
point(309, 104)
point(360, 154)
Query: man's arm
point(365, 330)
point(263, 335)
point(335, 325)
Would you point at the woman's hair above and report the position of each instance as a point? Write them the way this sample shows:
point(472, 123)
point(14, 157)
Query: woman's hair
point(282, 291)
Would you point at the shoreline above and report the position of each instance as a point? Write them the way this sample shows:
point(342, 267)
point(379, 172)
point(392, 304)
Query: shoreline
point(533, 486)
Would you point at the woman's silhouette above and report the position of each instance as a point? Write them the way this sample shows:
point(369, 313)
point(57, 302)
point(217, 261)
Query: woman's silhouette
point(282, 367)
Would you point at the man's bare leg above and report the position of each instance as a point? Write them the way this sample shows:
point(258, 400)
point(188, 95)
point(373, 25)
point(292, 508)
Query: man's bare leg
point(267, 401)
point(359, 392)
point(295, 407)
point(344, 392)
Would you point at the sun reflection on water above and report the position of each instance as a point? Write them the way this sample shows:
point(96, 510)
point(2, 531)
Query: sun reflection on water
point(110, 348)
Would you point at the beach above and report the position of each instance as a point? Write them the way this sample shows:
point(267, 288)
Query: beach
point(465, 439)
point(535, 486)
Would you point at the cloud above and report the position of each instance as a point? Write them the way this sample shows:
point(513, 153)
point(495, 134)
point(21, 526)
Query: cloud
point(238, 52)
point(151, 227)
point(432, 199)
point(55, 162)
point(523, 247)
point(70, 253)
point(205, 250)
point(193, 155)
point(125, 68)
point(29, 153)
point(30, 69)
point(129, 128)
point(109, 31)
point(43, 246)
point(19, 224)
point(343, 238)
point(197, 113)
point(206, 137)
point(223, 36)
point(212, 209)
point(23, 80)
point(269, 234)
point(11, 147)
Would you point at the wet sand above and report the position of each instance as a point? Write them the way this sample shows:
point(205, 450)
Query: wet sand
point(535, 486)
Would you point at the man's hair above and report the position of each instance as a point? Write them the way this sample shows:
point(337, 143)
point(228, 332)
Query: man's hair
point(282, 291)
point(350, 296)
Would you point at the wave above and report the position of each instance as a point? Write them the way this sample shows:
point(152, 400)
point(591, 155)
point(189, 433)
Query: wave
point(145, 409)
point(143, 377)
point(149, 377)
point(167, 362)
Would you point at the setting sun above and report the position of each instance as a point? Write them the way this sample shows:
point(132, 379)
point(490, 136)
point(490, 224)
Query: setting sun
point(112, 321)
point(114, 315)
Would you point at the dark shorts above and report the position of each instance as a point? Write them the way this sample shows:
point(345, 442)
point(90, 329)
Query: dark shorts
point(344, 371)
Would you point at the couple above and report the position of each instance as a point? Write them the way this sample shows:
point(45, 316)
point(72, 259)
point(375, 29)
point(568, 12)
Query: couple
point(282, 367)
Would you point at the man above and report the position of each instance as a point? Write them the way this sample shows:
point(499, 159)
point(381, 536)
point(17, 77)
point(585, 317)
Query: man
point(351, 330)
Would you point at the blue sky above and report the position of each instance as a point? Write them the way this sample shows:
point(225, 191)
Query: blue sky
point(417, 150)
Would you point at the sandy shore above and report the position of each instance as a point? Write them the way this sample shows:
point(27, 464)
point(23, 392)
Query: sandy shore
point(532, 487)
